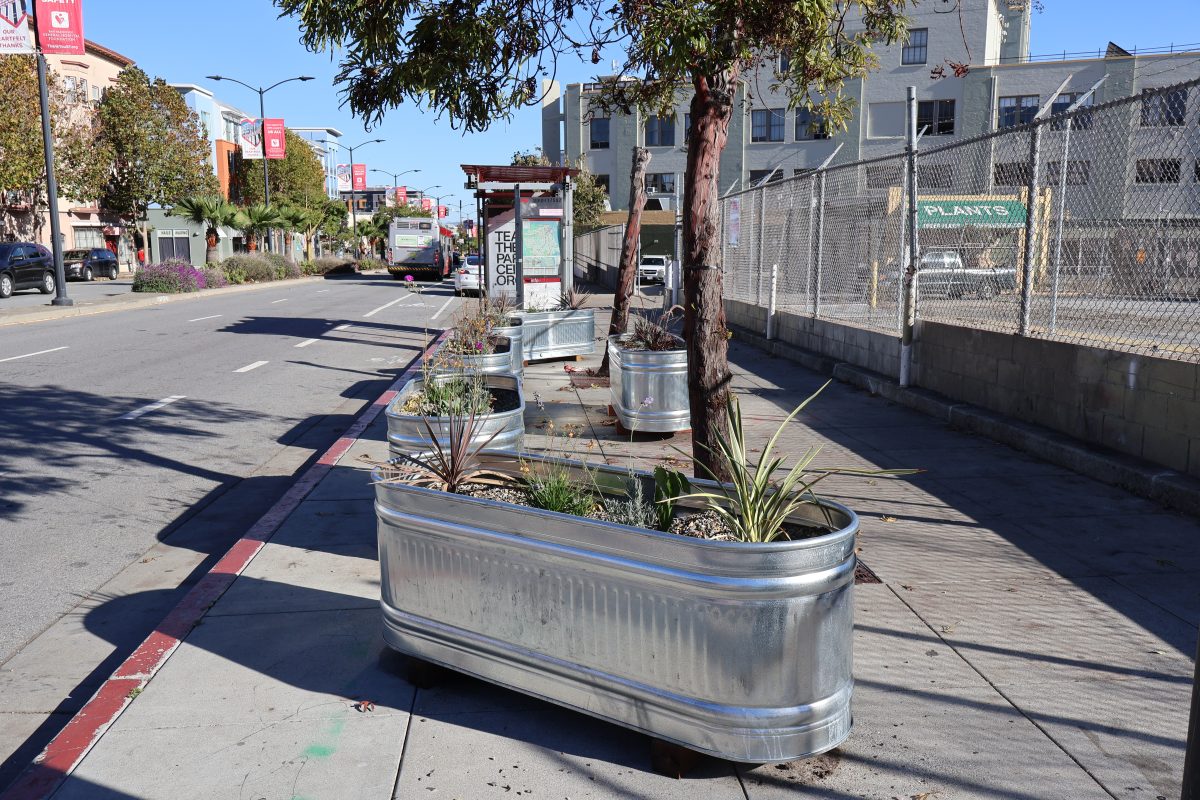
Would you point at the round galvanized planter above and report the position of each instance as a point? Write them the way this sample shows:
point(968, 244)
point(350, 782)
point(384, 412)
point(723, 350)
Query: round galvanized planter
point(659, 376)
point(558, 334)
point(407, 434)
point(516, 348)
point(496, 363)
point(739, 650)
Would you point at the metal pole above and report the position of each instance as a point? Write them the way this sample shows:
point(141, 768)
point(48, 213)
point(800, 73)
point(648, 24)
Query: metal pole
point(519, 241)
point(762, 232)
point(1062, 207)
point(771, 302)
point(677, 280)
point(820, 244)
point(909, 284)
point(1191, 758)
point(60, 277)
point(262, 134)
point(353, 205)
point(568, 228)
point(812, 221)
point(1031, 213)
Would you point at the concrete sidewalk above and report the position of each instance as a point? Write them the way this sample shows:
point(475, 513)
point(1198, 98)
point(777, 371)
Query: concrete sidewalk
point(1031, 638)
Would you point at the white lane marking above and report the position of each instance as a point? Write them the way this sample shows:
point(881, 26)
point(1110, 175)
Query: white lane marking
point(249, 367)
point(166, 401)
point(445, 305)
point(306, 342)
point(322, 290)
point(282, 300)
point(385, 305)
point(201, 319)
point(31, 355)
point(342, 328)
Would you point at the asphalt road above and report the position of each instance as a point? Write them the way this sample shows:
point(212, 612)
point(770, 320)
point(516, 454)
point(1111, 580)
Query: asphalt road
point(137, 445)
point(82, 292)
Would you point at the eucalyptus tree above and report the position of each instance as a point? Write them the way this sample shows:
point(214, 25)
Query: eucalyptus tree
point(481, 61)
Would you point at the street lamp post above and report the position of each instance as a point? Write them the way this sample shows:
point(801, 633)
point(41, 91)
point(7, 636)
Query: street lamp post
point(395, 177)
point(353, 191)
point(262, 116)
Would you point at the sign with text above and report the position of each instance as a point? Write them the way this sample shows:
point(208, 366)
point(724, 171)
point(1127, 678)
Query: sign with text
point(502, 256)
point(426, 203)
point(14, 33)
point(401, 195)
point(343, 177)
point(274, 139)
point(983, 212)
point(252, 139)
point(358, 175)
point(60, 26)
point(443, 212)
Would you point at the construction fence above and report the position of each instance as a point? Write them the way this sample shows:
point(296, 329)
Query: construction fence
point(1081, 226)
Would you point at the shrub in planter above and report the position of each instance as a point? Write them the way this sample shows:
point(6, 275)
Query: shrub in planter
point(214, 277)
point(332, 265)
point(248, 268)
point(171, 276)
point(370, 264)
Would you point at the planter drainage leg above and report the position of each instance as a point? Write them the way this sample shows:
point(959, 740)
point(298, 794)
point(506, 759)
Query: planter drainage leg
point(672, 760)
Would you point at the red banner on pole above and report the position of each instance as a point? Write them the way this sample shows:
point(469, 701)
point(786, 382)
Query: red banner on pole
point(274, 139)
point(427, 203)
point(60, 26)
point(359, 174)
point(443, 211)
point(401, 195)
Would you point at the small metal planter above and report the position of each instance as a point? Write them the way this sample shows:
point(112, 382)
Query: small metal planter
point(513, 330)
point(407, 434)
point(497, 363)
point(660, 375)
point(739, 650)
point(558, 334)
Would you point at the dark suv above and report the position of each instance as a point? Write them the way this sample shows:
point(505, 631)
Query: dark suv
point(24, 265)
point(88, 264)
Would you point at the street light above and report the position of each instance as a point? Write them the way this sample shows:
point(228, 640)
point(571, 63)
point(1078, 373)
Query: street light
point(262, 115)
point(353, 191)
point(426, 189)
point(395, 176)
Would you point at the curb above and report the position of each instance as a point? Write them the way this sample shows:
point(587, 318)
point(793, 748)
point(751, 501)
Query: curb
point(19, 316)
point(51, 768)
point(1145, 479)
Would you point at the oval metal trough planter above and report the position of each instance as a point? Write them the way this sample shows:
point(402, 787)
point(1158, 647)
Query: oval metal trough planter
point(558, 334)
point(497, 363)
point(742, 651)
point(661, 376)
point(407, 434)
point(516, 349)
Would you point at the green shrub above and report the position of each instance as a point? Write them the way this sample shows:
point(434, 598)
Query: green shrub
point(170, 276)
point(367, 264)
point(214, 277)
point(329, 265)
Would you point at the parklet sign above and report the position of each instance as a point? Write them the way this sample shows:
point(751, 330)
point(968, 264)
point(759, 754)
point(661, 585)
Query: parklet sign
point(60, 26)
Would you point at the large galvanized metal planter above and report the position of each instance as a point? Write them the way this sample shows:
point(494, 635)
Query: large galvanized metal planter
point(739, 650)
point(558, 334)
point(497, 363)
point(661, 376)
point(512, 329)
point(407, 434)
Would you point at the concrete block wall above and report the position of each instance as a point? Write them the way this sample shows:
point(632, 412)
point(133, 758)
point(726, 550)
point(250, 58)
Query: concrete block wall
point(1138, 405)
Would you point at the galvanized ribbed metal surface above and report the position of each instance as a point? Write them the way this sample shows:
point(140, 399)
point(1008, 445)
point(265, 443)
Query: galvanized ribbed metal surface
point(648, 388)
point(407, 434)
point(558, 334)
point(495, 363)
point(516, 348)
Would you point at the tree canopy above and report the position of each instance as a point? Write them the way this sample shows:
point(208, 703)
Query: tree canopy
point(297, 180)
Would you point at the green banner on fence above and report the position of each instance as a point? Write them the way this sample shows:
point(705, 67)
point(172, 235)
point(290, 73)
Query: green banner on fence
point(957, 213)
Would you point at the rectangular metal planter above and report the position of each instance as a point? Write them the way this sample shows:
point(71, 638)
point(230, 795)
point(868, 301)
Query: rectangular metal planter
point(496, 363)
point(558, 334)
point(661, 376)
point(513, 330)
point(407, 434)
point(739, 650)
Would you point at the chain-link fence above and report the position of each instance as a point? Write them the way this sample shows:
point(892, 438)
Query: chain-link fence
point(1082, 226)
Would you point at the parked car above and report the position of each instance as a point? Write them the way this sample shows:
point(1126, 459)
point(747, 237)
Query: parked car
point(468, 277)
point(652, 269)
point(25, 265)
point(942, 274)
point(88, 264)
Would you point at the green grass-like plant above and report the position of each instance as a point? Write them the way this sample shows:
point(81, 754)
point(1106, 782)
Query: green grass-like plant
point(551, 488)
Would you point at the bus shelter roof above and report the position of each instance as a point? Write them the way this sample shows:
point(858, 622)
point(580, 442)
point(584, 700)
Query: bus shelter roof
point(497, 178)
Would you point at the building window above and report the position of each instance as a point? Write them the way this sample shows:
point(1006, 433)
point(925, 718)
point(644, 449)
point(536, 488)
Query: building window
point(935, 176)
point(936, 117)
point(1077, 173)
point(917, 49)
point(810, 125)
point(883, 176)
point(1163, 108)
point(1158, 170)
point(1011, 173)
point(785, 63)
point(599, 137)
point(602, 182)
point(761, 176)
point(766, 125)
point(660, 182)
point(1017, 110)
point(1083, 117)
point(687, 128)
point(801, 172)
point(660, 131)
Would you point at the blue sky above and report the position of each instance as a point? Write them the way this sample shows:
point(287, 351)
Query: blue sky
point(184, 40)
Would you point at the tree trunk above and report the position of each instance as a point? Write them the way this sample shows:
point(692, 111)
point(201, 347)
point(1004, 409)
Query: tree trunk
point(211, 237)
point(252, 243)
point(704, 312)
point(627, 270)
point(144, 227)
point(287, 246)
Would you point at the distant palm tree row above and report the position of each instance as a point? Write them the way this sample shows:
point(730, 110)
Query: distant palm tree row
point(254, 221)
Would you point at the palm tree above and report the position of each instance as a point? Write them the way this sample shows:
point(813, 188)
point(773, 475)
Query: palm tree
point(212, 212)
point(293, 220)
point(372, 231)
point(255, 220)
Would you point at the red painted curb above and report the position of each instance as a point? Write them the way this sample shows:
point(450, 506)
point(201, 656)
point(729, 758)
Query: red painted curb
point(64, 752)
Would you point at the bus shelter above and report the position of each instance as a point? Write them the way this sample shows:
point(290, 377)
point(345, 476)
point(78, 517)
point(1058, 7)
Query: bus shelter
point(527, 236)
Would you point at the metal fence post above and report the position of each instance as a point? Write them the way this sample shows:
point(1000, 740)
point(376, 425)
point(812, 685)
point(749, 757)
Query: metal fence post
point(820, 244)
point(1191, 756)
point(1031, 213)
point(909, 284)
point(771, 302)
point(762, 224)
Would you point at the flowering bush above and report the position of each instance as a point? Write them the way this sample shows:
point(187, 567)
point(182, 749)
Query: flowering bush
point(171, 276)
point(214, 277)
